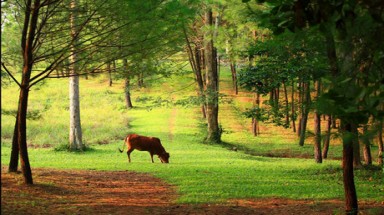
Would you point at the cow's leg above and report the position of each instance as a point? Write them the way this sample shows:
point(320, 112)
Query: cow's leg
point(129, 154)
point(151, 156)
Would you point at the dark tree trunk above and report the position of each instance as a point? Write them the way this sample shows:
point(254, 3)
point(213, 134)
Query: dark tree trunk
point(200, 81)
point(286, 105)
point(366, 147)
point(109, 74)
point(234, 77)
point(195, 62)
point(127, 87)
point(27, 39)
point(380, 144)
point(334, 122)
point(127, 93)
point(140, 79)
point(356, 147)
point(255, 123)
point(350, 145)
point(301, 108)
point(327, 137)
point(317, 145)
point(304, 120)
point(14, 160)
point(293, 117)
point(211, 83)
point(348, 176)
point(22, 135)
point(277, 97)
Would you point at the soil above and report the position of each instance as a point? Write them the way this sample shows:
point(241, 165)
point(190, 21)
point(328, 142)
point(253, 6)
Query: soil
point(124, 192)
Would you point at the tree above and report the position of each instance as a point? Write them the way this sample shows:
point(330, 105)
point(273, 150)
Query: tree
point(317, 144)
point(45, 46)
point(75, 132)
point(212, 96)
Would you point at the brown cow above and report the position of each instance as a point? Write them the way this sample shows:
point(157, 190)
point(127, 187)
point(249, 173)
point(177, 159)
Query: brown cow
point(142, 143)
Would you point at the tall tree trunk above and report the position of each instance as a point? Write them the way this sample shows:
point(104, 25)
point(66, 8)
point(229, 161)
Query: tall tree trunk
point(293, 115)
point(305, 112)
point(140, 79)
point(255, 123)
point(109, 74)
point(195, 62)
point(317, 145)
point(327, 137)
point(334, 122)
point(348, 176)
point(200, 81)
point(14, 160)
point(356, 147)
point(27, 39)
point(127, 87)
point(75, 132)
point(211, 83)
point(350, 145)
point(301, 107)
point(366, 147)
point(286, 105)
point(22, 128)
point(234, 77)
point(380, 143)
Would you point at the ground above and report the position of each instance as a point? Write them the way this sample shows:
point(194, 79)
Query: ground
point(124, 192)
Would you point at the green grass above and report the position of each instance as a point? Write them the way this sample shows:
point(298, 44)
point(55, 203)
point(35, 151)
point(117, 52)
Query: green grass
point(201, 173)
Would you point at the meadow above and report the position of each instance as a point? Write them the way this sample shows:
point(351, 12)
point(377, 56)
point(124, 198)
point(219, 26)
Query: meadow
point(271, 165)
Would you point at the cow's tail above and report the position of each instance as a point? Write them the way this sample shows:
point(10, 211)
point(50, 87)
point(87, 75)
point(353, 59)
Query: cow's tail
point(125, 142)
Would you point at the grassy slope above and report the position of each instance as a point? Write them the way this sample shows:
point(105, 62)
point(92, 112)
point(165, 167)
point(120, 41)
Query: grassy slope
point(202, 173)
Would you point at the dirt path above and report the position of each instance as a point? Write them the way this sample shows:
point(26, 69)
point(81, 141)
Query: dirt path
point(123, 192)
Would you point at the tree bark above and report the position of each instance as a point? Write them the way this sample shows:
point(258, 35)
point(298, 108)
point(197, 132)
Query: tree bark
point(234, 77)
point(255, 123)
point(109, 74)
point(380, 144)
point(293, 117)
point(366, 147)
point(127, 93)
point(317, 145)
point(140, 79)
point(327, 137)
point(14, 160)
point(301, 107)
point(356, 147)
point(75, 132)
point(305, 112)
point(22, 127)
point(199, 80)
point(195, 62)
point(286, 105)
point(211, 83)
point(348, 175)
point(27, 39)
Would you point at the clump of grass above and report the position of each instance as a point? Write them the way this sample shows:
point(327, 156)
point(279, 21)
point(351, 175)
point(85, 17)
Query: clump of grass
point(64, 147)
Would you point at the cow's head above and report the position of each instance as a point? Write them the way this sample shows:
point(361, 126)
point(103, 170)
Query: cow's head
point(164, 157)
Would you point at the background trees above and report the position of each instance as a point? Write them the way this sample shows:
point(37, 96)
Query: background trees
point(350, 67)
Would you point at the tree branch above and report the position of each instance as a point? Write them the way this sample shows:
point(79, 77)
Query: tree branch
point(10, 74)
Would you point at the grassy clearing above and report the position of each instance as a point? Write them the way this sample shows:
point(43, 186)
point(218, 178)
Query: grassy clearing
point(201, 173)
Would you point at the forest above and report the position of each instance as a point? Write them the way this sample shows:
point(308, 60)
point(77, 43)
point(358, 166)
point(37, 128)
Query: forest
point(260, 107)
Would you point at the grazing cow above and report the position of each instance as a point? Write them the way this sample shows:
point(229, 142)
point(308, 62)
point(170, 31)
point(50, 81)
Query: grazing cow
point(142, 143)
